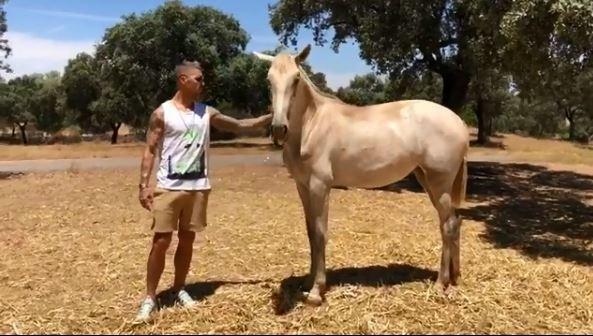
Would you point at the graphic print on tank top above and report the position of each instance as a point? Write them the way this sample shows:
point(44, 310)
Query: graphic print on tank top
point(190, 164)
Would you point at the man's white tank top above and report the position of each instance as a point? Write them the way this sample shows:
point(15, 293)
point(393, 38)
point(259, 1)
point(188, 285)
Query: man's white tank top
point(183, 160)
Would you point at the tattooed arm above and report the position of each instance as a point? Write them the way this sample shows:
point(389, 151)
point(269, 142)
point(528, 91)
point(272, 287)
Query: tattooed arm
point(230, 124)
point(155, 134)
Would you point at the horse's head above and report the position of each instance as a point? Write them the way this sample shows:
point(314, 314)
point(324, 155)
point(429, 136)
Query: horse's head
point(284, 75)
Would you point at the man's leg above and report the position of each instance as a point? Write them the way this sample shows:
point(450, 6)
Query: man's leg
point(156, 261)
point(165, 217)
point(183, 257)
point(193, 219)
point(154, 269)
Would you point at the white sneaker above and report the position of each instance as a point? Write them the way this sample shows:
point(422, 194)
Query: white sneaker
point(185, 299)
point(145, 311)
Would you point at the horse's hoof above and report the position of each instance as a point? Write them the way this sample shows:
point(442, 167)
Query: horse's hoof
point(455, 281)
point(313, 299)
point(449, 292)
point(445, 282)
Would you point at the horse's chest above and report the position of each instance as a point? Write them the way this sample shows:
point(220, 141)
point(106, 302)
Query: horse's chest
point(295, 166)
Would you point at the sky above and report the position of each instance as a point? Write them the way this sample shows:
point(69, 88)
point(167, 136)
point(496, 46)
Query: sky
point(44, 34)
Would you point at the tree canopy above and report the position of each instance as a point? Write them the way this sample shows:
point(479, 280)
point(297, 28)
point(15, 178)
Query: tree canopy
point(138, 56)
point(513, 65)
point(459, 40)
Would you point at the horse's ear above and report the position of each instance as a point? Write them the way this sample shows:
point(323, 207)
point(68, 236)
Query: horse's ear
point(302, 56)
point(264, 57)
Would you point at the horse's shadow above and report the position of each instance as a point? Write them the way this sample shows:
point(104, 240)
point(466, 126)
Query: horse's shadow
point(291, 289)
point(540, 212)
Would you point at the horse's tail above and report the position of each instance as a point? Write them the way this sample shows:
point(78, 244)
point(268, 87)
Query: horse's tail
point(460, 184)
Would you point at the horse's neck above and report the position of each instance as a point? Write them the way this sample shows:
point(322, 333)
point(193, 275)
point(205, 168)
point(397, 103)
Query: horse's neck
point(304, 106)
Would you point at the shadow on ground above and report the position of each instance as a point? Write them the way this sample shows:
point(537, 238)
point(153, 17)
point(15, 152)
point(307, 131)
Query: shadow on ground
point(10, 175)
point(540, 212)
point(291, 288)
point(198, 291)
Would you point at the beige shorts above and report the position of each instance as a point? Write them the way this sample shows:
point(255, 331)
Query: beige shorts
point(176, 210)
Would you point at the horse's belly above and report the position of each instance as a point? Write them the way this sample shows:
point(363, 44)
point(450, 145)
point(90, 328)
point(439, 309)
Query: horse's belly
point(369, 173)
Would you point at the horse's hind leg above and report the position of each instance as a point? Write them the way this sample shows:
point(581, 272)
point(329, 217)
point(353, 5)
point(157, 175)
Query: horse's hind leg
point(421, 178)
point(440, 186)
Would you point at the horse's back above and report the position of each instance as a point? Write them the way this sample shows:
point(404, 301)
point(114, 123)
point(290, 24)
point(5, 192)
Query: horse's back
point(443, 135)
point(437, 113)
point(423, 118)
point(398, 109)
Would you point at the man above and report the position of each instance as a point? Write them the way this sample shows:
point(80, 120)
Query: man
point(179, 133)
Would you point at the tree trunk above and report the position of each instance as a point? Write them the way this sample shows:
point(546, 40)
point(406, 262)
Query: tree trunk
point(23, 132)
point(569, 114)
point(455, 87)
point(115, 128)
point(571, 131)
point(13, 130)
point(481, 114)
point(488, 122)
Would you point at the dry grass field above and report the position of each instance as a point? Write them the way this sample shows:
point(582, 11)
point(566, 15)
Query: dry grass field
point(519, 148)
point(74, 247)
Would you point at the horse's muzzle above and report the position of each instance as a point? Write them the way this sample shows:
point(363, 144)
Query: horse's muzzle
point(279, 133)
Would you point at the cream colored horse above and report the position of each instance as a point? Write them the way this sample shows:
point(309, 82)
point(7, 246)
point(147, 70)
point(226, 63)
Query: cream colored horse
point(327, 142)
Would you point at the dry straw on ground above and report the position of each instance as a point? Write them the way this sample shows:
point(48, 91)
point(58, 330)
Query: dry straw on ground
point(74, 246)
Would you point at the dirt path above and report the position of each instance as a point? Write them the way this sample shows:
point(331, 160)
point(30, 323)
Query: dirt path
point(25, 166)
point(270, 158)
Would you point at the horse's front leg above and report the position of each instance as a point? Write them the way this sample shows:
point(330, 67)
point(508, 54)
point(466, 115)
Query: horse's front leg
point(317, 232)
point(303, 189)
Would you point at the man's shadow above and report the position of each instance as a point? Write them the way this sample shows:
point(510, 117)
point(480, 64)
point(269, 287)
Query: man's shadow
point(291, 288)
point(198, 291)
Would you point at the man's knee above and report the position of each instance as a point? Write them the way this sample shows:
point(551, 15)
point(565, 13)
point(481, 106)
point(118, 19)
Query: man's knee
point(161, 241)
point(186, 237)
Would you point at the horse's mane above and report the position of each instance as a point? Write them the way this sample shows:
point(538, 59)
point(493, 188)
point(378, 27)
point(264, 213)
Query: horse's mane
point(314, 87)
